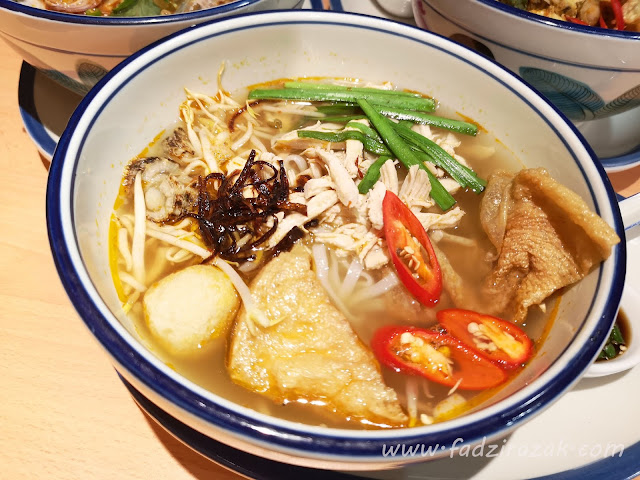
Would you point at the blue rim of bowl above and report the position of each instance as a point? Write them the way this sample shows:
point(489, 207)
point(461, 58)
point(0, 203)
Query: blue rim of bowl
point(626, 466)
point(292, 437)
point(622, 162)
point(45, 142)
point(623, 34)
point(90, 20)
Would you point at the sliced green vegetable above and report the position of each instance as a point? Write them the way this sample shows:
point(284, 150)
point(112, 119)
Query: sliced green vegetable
point(136, 8)
point(403, 152)
point(370, 144)
point(615, 341)
point(346, 88)
point(464, 176)
point(372, 175)
point(340, 118)
point(425, 119)
point(337, 95)
point(366, 129)
point(339, 109)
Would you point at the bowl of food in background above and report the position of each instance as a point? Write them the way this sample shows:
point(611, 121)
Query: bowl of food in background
point(311, 255)
point(582, 55)
point(77, 42)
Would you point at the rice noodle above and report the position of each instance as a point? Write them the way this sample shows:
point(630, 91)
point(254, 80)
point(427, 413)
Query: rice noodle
point(177, 255)
point(258, 144)
point(210, 164)
point(323, 272)
point(253, 312)
point(244, 138)
point(186, 112)
point(297, 160)
point(133, 298)
point(132, 282)
point(139, 227)
point(334, 273)
point(458, 240)
point(126, 221)
point(123, 248)
point(181, 225)
point(195, 164)
point(351, 278)
point(455, 387)
point(378, 288)
point(178, 242)
point(412, 400)
point(426, 390)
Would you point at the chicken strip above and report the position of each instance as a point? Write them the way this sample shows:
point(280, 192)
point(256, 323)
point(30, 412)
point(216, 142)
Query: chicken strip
point(312, 354)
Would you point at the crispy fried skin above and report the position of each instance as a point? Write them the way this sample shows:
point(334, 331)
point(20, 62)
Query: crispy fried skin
point(551, 239)
point(312, 354)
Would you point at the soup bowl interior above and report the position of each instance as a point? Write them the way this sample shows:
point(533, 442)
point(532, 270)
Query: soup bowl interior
point(140, 98)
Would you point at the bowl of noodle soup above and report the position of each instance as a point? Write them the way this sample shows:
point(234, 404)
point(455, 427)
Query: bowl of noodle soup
point(109, 151)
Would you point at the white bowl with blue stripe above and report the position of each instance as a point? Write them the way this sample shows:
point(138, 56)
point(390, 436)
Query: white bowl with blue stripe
point(140, 97)
point(77, 50)
point(591, 74)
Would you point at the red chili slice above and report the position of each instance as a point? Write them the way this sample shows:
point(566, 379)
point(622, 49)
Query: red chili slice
point(602, 23)
point(616, 6)
point(511, 346)
point(436, 356)
point(408, 243)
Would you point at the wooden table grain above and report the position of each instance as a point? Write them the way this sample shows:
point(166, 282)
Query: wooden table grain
point(64, 414)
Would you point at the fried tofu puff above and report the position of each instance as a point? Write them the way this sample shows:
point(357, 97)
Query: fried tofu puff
point(190, 307)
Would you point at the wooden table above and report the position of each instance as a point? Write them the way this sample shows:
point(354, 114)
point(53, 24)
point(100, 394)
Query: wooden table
point(64, 413)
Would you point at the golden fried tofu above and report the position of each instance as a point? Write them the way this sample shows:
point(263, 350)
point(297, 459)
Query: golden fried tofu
point(312, 354)
point(546, 237)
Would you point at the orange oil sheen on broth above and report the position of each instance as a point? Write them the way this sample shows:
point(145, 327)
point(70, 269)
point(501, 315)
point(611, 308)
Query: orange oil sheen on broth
point(207, 368)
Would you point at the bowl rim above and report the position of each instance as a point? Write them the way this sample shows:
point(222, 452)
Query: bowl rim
point(561, 24)
point(286, 436)
point(156, 20)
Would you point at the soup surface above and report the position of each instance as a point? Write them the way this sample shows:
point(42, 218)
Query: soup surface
point(343, 253)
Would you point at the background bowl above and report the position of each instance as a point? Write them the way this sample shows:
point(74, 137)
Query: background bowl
point(78, 50)
point(592, 75)
point(140, 97)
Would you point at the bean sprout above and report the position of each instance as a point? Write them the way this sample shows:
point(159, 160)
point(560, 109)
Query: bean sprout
point(137, 246)
point(123, 248)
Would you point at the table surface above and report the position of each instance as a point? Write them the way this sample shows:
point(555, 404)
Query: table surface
point(64, 413)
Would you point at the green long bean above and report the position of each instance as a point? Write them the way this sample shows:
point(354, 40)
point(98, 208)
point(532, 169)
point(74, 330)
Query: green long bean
point(464, 176)
point(337, 95)
point(370, 144)
point(404, 153)
point(372, 175)
point(458, 126)
point(347, 88)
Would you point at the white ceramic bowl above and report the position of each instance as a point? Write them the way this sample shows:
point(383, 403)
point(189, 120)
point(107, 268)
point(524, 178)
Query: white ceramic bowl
point(591, 74)
point(140, 97)
point(78, 50)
